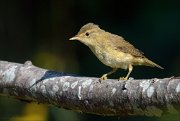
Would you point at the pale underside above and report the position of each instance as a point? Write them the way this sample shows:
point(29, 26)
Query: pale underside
point(116, 59)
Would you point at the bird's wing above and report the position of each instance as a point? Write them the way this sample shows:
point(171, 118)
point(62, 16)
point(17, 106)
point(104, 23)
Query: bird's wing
point(121, 45)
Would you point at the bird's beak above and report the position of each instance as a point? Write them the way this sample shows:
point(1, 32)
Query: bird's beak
point(74, 38)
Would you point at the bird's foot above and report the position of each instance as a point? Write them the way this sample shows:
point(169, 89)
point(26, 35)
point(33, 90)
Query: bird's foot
point(123, 78)
point(103, 77)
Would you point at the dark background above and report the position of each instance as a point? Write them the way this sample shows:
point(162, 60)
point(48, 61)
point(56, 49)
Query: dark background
point(38, 30)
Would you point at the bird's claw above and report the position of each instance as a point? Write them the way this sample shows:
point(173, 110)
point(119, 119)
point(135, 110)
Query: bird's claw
point(103, 77)
point(123, 78)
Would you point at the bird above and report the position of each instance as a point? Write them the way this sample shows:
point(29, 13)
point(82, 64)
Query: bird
point(112, 50)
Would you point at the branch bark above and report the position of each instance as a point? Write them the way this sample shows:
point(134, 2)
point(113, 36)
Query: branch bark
point(150, 97)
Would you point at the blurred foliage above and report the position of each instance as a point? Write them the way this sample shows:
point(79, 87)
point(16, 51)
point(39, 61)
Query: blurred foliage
point(39, 30)
point(32, 112)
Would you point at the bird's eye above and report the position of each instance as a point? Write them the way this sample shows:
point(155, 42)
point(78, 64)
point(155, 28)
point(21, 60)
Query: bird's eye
point(87, 34)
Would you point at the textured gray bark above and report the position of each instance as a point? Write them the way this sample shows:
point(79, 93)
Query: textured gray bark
point(150, 97)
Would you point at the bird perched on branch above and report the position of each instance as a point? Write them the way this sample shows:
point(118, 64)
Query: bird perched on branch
point(112, 50)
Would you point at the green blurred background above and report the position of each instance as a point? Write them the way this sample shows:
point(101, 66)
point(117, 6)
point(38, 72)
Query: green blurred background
point(38, 30)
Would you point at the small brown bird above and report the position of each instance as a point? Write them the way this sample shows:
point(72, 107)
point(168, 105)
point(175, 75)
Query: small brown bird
point(112, 50)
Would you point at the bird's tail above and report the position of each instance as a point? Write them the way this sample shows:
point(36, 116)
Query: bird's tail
point(152, 64)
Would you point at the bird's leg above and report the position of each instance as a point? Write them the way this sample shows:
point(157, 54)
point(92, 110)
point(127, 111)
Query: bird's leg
point(130, 68)
point(104, 76)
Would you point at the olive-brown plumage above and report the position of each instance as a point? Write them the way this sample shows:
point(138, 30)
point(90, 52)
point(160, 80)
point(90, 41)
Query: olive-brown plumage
point(111, 49)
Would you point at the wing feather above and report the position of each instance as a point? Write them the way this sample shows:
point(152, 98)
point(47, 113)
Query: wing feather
point(121, 45)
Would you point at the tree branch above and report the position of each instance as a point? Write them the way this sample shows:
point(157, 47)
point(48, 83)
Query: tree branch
point(150, 97)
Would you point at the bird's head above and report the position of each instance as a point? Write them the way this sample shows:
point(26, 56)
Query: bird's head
point(88, 34)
